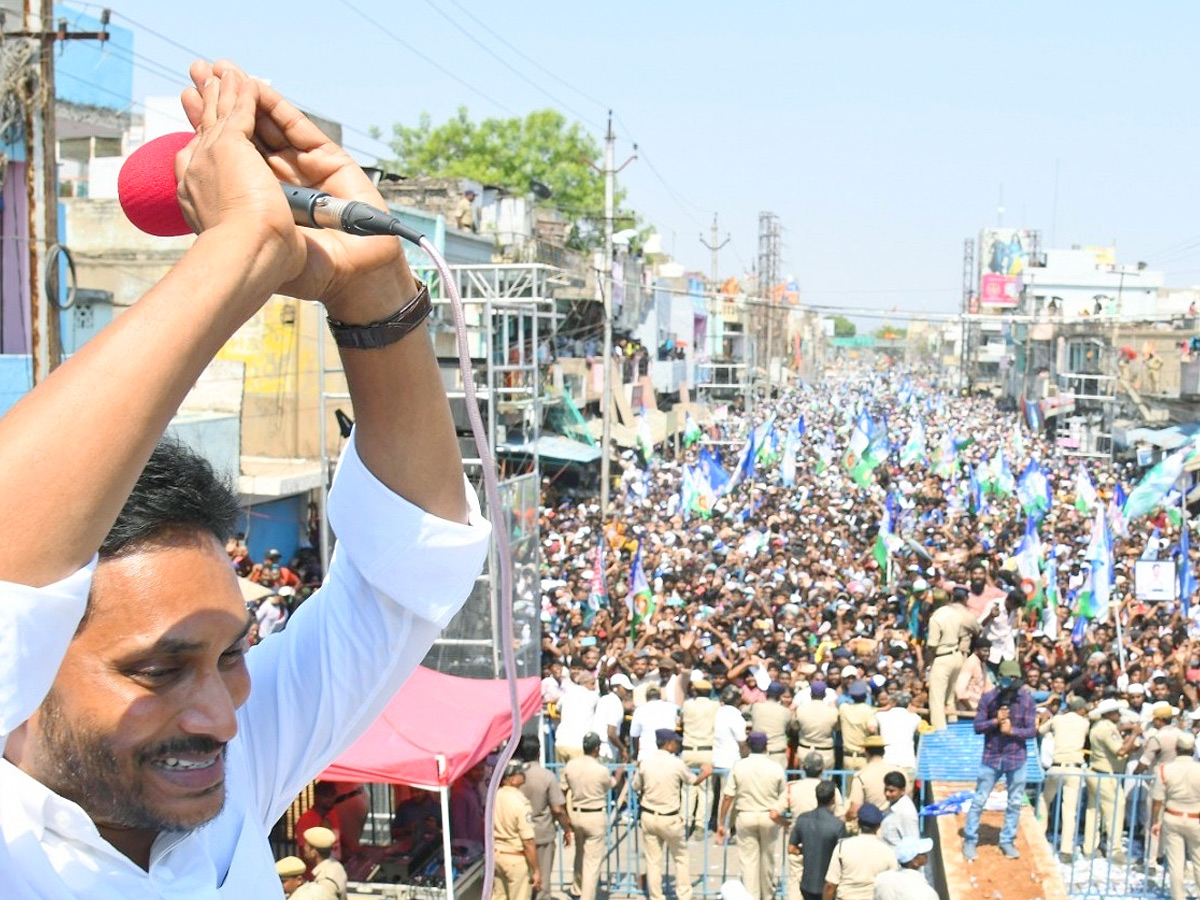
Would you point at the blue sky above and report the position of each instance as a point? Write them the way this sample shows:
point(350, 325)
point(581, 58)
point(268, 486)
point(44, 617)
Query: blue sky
point(882, 134)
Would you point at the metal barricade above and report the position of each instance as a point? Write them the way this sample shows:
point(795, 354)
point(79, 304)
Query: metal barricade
point(1098, 825)
point(711, 863)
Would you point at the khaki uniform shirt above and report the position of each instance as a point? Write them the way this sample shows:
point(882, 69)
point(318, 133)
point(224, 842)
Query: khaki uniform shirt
point(588, 781)
point(514, 820)
point(698, 715)
point(816, 722)
point(332, 873)
point(856, 863)
point(867, 784)
point(945, 626)
point(542, 791)
point(660, 779)
point(1070, 732)
point(758, 783)
point(772, 718)
point(1106, 741)
point(802, 797)
point(312, 890)
point(1177, 784)
point(1160, 747)
point(857, 721)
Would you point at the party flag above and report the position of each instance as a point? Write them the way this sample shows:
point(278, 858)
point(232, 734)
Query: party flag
point(1085, 491)
point(914, 450)
point(1152, 490)
point(640, 600)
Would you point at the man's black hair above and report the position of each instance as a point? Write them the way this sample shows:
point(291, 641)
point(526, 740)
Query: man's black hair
point(895, 780)
point(529, 750)
point(177, 489)
point(825, 792)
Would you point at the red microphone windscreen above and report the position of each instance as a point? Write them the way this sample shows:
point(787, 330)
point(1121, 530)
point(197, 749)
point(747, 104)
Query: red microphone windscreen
point(146, 186)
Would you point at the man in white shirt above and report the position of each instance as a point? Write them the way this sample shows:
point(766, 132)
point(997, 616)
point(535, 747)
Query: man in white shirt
point(576, 711)
point(901, 822)
point(654, 715)
point(138, 762)
point(898, 728)
point(730, 731)
point(610, 716)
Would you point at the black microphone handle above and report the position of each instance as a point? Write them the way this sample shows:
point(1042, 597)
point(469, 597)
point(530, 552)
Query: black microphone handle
point(318, 209)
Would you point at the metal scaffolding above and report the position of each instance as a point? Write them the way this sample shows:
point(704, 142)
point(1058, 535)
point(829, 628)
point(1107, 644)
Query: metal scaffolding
point(509, 310)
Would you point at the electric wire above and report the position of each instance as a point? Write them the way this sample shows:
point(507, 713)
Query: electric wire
point(387, 32)
point(492, 53)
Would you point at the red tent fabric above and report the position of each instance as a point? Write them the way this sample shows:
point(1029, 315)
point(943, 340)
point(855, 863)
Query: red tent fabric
point(462, 719)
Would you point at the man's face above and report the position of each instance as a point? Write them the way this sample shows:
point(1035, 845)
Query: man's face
point(290, 883)
point(135, 725)
point(639, 666)
point(1161, 690)
point(978, 581)
point(892, 793)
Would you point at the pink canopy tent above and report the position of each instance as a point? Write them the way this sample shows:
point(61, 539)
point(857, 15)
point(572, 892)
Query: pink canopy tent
point(432, 715)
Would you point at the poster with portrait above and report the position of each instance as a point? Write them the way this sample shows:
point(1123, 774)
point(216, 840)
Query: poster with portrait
point(1154, 580)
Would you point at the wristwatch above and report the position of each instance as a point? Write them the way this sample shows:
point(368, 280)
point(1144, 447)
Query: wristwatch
point(386, 331)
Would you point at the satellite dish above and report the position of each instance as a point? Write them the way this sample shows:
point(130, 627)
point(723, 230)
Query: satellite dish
point(540, 190)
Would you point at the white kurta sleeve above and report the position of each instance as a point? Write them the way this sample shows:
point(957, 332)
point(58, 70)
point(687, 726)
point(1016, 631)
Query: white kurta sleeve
point(396, 579)
point(36, 625)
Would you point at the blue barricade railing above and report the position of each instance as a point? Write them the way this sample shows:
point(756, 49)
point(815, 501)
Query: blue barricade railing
point(1096, 823)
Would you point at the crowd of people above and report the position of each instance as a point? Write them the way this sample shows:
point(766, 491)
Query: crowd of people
point(817, 613)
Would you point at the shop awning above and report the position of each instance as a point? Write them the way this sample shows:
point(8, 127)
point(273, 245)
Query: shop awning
point(554, 447)
point(462, 719)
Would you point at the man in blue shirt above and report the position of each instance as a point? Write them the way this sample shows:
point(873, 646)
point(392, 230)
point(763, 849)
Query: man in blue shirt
point(1006, 718)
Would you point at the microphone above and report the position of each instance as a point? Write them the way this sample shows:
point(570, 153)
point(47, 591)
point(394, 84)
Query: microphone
point(146, 188)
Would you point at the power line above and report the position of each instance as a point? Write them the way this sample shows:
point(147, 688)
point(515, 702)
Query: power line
point(492, 53)
point(195, 53)
point(413, 50)
point(533, 62)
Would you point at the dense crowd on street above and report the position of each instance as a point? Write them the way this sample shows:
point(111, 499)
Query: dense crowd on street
point(795, 592)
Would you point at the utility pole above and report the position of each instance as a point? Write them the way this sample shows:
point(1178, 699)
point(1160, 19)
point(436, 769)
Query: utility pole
point(41, 177)
point(714, 302)
point(606, 281)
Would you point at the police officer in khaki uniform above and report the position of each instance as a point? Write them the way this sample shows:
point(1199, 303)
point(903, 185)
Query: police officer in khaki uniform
point(546, 800)
point(1176, 798)
point(816, 722)
point(1070, 732)
point(867, 786)
point(951, 630)
point(291, 871)
point(857, 721)
point(516, 870)
point(773, 719)
point(698, 716)
point(1106, 813)
point(588, 781)
point(858, 860)
point(660, 783)
point(327, 872)
point(757, 784)
point(802, 793)
point(1158, 750)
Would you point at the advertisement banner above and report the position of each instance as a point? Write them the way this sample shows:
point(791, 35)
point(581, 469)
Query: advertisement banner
point(1003, 257)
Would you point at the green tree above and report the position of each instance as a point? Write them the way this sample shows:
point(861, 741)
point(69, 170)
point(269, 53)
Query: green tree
point(510, 153)
point(843, 327)
point(890, 332)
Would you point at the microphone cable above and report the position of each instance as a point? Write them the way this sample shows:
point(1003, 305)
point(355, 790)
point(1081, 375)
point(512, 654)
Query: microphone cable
point(491, 491)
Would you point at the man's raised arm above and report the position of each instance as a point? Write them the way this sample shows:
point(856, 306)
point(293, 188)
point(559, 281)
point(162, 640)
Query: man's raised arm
point(71, 449)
